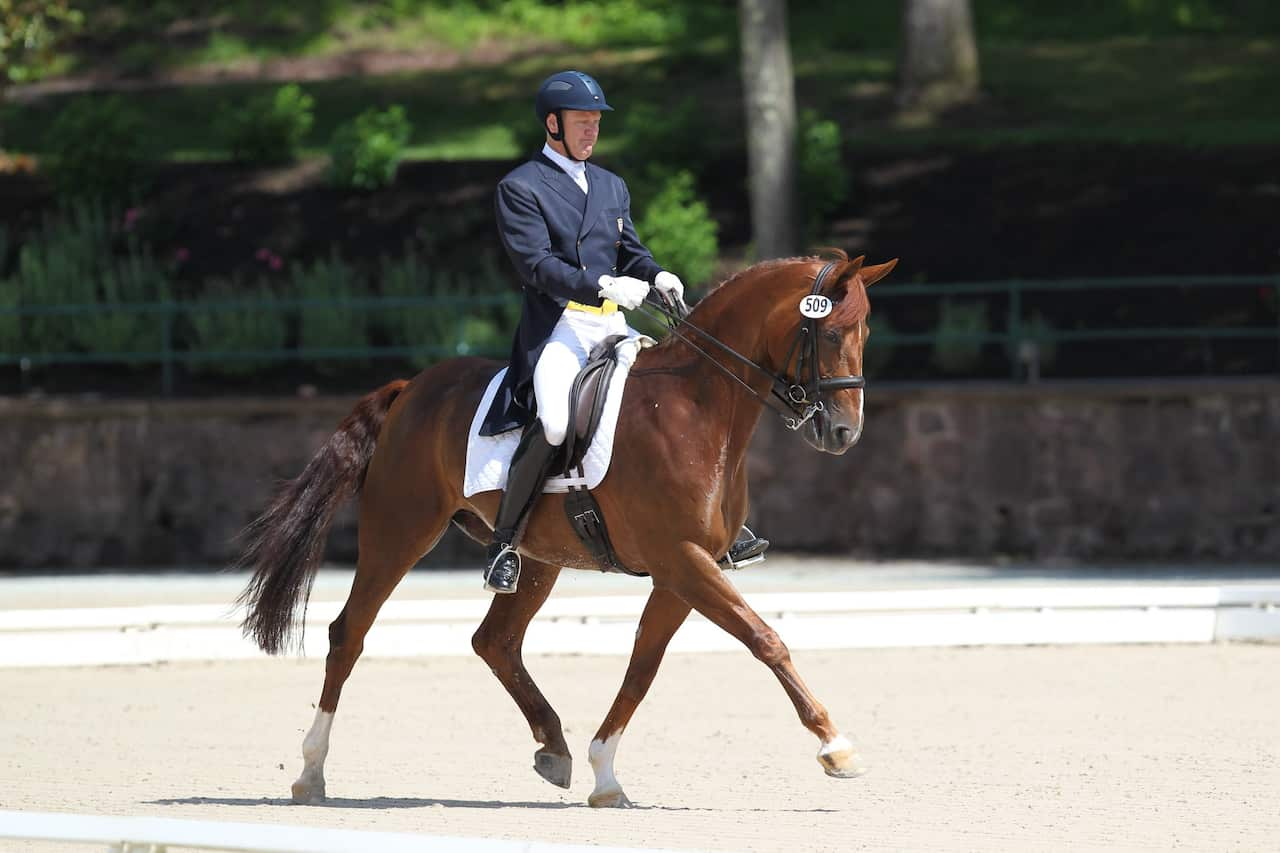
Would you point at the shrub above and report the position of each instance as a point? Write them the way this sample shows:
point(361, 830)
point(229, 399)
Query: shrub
point(269, 127)
point(454, 327)
point(424, 329)
point(366, 151)
point(823, 177)
point(131, 279)
point(56, 267)
point(72, 262)
point(957, 343)
point(239, 330)
point(98, 151)
point(679, 231)
point(323, 327)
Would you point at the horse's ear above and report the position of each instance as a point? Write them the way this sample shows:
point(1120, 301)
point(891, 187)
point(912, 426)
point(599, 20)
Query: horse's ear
point(872, 274)
point(837, 288)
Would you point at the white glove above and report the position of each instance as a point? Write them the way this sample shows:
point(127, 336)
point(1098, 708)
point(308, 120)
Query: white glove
point(623, 289)
point(670, 286)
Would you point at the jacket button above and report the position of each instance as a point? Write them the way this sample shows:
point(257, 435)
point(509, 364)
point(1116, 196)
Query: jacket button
point(584, 266)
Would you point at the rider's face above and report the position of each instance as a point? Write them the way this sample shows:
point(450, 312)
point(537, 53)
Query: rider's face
point(581, 130)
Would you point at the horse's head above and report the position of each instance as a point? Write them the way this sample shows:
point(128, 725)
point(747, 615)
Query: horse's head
point(841, 336)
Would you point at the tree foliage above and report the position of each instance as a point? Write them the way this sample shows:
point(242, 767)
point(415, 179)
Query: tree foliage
point(28, 31)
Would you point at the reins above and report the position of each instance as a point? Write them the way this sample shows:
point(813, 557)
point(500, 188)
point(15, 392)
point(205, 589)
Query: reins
point(796, 401)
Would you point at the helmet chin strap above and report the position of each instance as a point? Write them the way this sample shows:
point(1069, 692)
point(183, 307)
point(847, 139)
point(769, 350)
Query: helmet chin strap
point(558, 135)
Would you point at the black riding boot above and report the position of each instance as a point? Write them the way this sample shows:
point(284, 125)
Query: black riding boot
point(529, 467)
point(748, 548)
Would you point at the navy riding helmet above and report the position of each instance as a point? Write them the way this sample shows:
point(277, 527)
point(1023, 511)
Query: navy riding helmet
point(567, 90)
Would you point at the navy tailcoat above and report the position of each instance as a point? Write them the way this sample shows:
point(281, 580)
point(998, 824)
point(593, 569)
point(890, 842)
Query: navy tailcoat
point(561, 241)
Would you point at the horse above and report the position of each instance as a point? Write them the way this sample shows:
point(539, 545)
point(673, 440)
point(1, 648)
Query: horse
point(675, 496)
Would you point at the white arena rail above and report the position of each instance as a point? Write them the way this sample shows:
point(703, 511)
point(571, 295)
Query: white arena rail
point(156, 835)
point(978, 615)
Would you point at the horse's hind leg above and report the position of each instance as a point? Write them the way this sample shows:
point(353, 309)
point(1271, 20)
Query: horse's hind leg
point(498, 641)
point(706, 589)
point(663, 614)
point(386, 555)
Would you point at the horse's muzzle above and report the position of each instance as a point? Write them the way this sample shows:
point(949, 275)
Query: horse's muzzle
point(830, 435)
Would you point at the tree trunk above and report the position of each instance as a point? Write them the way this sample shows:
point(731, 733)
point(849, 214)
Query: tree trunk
point(770, 97)
point(938, 59)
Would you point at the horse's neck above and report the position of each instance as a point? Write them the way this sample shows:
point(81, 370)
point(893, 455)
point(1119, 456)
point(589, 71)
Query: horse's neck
point(737, 321)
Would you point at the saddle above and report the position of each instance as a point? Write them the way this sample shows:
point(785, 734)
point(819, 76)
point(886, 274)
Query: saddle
point(586, 406)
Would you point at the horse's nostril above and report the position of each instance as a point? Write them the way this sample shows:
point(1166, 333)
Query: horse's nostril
point(843, 435)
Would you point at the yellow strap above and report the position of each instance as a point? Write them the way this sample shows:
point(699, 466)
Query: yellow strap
point(609, 307)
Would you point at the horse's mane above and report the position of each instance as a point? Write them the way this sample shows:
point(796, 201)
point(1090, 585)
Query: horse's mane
point(848, 311)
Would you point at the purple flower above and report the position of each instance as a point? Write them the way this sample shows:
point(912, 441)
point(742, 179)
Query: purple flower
point(275, 262)
point(182, 254)
point(262, 254)
point(131, 218)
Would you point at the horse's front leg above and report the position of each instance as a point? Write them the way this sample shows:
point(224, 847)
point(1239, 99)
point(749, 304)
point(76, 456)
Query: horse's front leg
point(498, 641)
point(702, 585)
point(663, 614)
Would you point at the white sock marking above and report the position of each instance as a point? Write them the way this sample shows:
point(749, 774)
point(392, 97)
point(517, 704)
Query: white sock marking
point(839, 743)
point(315, 746)
point(600, 754)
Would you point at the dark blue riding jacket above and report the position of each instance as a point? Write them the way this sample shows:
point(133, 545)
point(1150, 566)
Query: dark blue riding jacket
point(561, 241)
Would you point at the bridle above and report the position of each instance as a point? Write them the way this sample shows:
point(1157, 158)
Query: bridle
point(795, 400)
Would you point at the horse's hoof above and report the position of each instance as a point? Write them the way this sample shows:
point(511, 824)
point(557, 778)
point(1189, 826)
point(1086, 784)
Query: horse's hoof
point(611, 799)
point(555, 768)
point(308, 793)
point(840, 759)
point(851, 771)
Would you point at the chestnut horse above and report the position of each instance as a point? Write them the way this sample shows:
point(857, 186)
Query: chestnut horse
point(674, 497)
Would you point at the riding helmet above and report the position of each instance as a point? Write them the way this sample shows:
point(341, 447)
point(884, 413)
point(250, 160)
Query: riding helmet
point(568, 90)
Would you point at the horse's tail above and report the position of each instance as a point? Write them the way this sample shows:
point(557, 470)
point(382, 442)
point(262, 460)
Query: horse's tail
point(284, 544)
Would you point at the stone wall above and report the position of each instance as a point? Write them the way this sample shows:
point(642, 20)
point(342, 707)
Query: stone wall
point(1160, 471)
point(1151, 471)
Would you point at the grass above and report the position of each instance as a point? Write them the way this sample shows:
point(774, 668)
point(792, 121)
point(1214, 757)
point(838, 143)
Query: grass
point(1183, 73)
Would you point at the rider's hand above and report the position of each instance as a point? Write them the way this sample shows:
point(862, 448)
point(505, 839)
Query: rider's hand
point(623, 289)
point(670, 286)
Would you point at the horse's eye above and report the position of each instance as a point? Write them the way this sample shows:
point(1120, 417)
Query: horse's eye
point(832, 336)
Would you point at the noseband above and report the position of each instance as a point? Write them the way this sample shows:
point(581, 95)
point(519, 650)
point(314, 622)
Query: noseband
point(795, 400)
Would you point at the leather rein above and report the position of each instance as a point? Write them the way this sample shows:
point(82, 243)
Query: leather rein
point(795, 400)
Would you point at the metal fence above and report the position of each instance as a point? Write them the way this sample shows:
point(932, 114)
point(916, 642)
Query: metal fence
point(1012, 334)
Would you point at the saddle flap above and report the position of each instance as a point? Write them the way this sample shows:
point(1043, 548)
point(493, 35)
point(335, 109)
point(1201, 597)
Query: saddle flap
point(587, 398)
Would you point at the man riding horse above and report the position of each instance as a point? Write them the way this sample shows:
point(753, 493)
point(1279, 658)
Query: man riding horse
point(567, 228)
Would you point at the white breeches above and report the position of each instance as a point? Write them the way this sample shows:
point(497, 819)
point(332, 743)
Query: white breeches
point(564, 355)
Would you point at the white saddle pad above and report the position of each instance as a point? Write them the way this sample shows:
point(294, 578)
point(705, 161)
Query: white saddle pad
point(489, 456)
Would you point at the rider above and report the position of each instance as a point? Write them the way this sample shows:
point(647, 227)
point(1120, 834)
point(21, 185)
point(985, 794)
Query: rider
point(566, 226)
